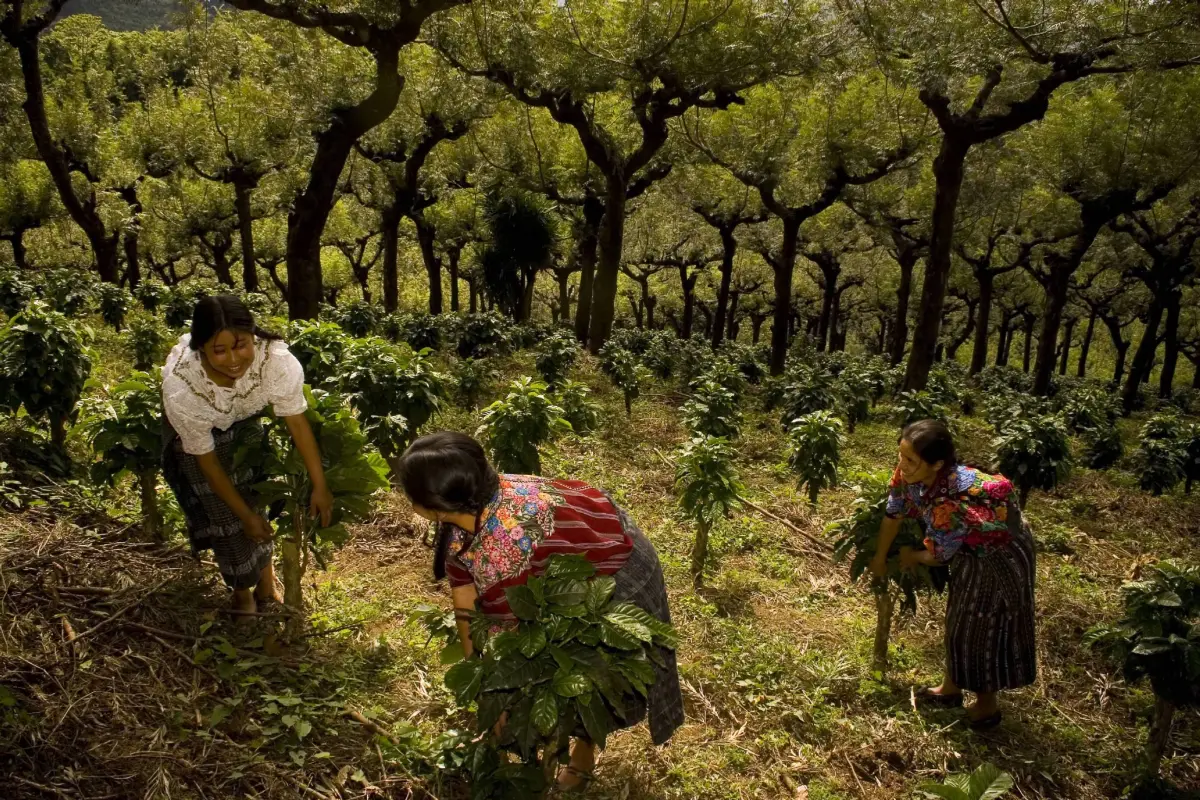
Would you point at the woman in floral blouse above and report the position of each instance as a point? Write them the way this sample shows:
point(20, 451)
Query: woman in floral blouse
point(973, 524)
point(497, 531)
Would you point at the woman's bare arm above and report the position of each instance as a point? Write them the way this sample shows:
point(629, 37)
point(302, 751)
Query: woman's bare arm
point(464, 598)
point(254, 525)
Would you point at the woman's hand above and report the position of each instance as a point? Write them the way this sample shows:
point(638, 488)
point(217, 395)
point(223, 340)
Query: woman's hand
point(908, 558)
point(878, 565)
point(257, 527)
point(321, 505)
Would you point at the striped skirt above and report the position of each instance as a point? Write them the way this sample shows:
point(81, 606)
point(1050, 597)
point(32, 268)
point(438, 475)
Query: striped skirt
point(990, 639)
point(211, 523)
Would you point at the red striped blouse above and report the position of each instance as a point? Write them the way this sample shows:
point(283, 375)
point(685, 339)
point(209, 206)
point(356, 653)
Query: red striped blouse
point(529, 520)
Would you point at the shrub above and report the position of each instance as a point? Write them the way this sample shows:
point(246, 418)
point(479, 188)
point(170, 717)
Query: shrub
point(423, 331)
point(749, 360)
point(146, 338)
point(693, 358)
point(627, 375)
point(178, 307)
point(1191, 455)
point(357, 318)
point(471, 377)
point(944, 385)
point(1089, 407)
point(815, 442)
point(1035, 452)
point(1003, 408)
point(319, 347)
point(516, 425)
point(708, 489)
point(393, 390)
point(482, 335)
point(807, 389)
point(915, 406)
point(1158, 639)
point(854, 391)
point(260, 304)
point(1102, 447)
point(635, 340)
point(353, 473)
point(526, 336)
point(575, 660)
point(69, 290)
point(126, 435)
point(712, 410)
point(857, 538)
point(726, 374)
point(15, 291)
point(578, 409)
point(151, 295)
point(114, 304)
point(659, 357)
point(555, 356)
point(43, 367)
point(1159, 464)
point(1186, 400)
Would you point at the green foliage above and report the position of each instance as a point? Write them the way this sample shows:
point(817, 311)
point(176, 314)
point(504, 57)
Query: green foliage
point(750, 360)
point(659, 356)
point(15, 291)
point(577, 408)
point(522, 240)
point(1159, 636)
point(1102, 447)
point(526, 336)
point(555, 356)
point(43, 366)
point(985, 783)
point(1035, 452)
point(422, 331)
point(483, 335)
point(353, 472)
point(1162, 455)
point(576, 661)
point(516, 425)
point(357, 318)
point(712, 410)
point(693, 357)
point(394, 391)
point(1089, 408)
point(178, 306)
point(1190, 439)
point(815, 442)
point(114, 302)
point(857, 538)
point(69, 290)
point(471, 377)
point(808, 388)
point(855, 389)
point(320, 348)
point(151, 295)
point(626, 372)
point(126, 427)
point(915, 406)
point(706, 480)
point(146, 338)
point(945, 382)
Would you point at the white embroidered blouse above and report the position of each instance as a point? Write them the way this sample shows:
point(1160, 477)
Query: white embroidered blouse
point(194, 404)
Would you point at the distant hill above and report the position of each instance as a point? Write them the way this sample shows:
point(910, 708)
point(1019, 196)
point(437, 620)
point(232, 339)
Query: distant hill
point(130, 15)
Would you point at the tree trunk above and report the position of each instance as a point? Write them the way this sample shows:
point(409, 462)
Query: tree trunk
point(1004, 332)
point(1143, 359)
point(756, 323)
point(1160, 735)
point(825, 321)
point(390, 234)
point(433, 266)
point(731, 328)
point(728, 250)
point(610, 244)
point(1056, 300)
point(473, 295)
point(987, 286)
point(688, 287)
point(221, 264)
point(17, 240)
point(151, 519)
point(1166, 379)
point(241, 196)
point(1068, 332)
point(650, 301)
point(948, 177)
point(908, 262)
point(564, 295)
point(1081, 370)
point(58, 432)
point(593, 214)
point(1029, 322)
point(525, 306)
point(133, 267)
point(699, 555)
point(783, 269)
point(453, 255)
point(885, 605)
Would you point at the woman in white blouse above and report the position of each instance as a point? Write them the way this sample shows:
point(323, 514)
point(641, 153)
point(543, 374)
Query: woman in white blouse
point(218, 379)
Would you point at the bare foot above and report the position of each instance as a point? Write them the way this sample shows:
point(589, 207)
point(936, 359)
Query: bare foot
point(570, 778)
point(268, 593)
point(244, 606)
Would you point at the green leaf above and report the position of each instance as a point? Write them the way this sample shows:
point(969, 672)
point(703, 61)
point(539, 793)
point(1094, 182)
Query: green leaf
point(491, 707)
point(303, 728)
point(988, 782)
point(571, 684)
point(505, 644)
point(452, 653)
point(596, 719)
point(533, 640)
point(523, 602)
point(599, 591)
point(219, 713)
point(569, 567)
point(944, 792)
point(513, 672)
point(566, 592)
point(544, 715)
point(630, 625)
point(615, 636)
point(463, 679)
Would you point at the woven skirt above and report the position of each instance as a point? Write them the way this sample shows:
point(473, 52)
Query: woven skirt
point(640, 581)
point(990, 638)
point(211, 523)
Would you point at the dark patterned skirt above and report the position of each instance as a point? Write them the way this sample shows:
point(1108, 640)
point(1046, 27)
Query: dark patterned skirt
point(990, 639)
point(211, 523)
point(641, 582)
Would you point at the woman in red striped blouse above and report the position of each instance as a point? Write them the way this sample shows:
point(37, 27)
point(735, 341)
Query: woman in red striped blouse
point(496, 531)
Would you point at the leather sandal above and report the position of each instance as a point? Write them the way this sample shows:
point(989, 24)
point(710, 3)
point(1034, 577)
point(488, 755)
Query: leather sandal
point(986, 723)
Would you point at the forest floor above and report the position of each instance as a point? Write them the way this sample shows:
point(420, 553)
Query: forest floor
point(120, 675)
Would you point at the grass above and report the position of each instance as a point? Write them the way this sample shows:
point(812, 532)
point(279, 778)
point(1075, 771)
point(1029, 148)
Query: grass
point(775, 659)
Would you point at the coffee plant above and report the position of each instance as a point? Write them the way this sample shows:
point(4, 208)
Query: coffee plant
point(69, 290)
point(1102, 447)
point(1034, 452)
point(151, 295)
point(1190, 439)
point(915, 406)
point(353, 472)
point(577, 408)
point(726, 374)
point(855, 391)
point(43, 367)
point(750, 360)
point(259, 304)
point(424, 331)
point(627, 375)
point(693, 357)
point(1162, 455)
point(515, 426)
point(471, 377)
point(146, 339)
point(1089, 408)
point(15, 291)
point(712, 410)
point(659, 357)
point(576, 661)
point(357, 318)
point(393, 390)
point(125, 428)
point(178, 306)
point(320, 348)
point(815, 442)
point(857, 539)
point(985, 783)
point(1159, 639)
point(555, 356)
point(527, 336)
point(483, 335)
point(807, 389)
point(114, 303)
point(708, 489)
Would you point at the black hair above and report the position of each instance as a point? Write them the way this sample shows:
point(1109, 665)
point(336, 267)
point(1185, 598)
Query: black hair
point(447, 471)
point(222, 312)
point(931, 440)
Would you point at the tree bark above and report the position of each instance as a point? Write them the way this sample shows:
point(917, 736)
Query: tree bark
point(1081, 370)
point(17, 240)
point(948, 177)
point(433, 265)
point(756, 323)
point(783, 269)
point(728, 251)
point(241, 195)
point(1056, 286)
point(610, 244)
point(1068, 332)
point(987, 287)
point(390, 233)
point(825, 321)
point(731, 330)
point(1004, 331)
point(593, 215)
point(885, 605)
point(1160, 735)
point(1143, 358)
point(1166, 379)
point(688, 288)
point(452, 256)
point(151, 518)
point(133, 268)
point(1029, 322)
point(908, 262)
